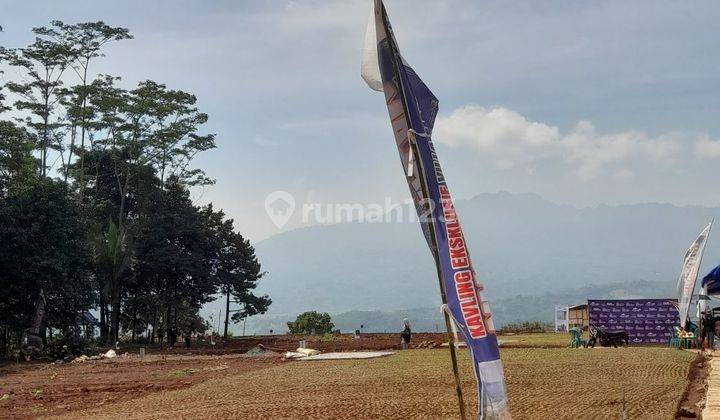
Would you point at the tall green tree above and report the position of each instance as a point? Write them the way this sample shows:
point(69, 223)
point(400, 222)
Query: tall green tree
point(164, 124)
point(85, 42)
point(311, 322)
point(120, 233)
point(146, 131)
point(236, 269)
point(111, 200)
point(112, 255)
point(17, 165)
point(174, 253)
point(44, 259)
point(43, 63)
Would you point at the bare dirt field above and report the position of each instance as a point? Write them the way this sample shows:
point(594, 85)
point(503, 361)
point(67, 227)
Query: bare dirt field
point(41, 389)
point(543, 382)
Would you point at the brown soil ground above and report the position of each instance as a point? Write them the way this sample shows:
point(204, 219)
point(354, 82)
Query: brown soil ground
point(694, 395)
point(344, 342)
point(374, 341)
point(543, 382)
point(40, 389)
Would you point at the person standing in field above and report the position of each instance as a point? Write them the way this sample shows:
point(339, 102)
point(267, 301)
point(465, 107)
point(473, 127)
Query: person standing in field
point(405, 334)
point(709, 330)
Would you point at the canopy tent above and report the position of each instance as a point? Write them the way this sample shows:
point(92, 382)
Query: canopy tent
point(711, 282)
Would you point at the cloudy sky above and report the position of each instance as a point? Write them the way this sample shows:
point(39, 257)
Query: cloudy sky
point(580, 102)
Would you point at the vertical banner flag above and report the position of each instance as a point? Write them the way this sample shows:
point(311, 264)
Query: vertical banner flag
point(689, 273)
point(412, 108)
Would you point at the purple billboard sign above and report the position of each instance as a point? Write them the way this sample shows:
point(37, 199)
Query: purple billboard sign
point(647, 321)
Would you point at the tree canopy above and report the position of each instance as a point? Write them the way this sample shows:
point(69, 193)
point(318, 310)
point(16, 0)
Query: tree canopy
point(96, 213)
point(311, 322)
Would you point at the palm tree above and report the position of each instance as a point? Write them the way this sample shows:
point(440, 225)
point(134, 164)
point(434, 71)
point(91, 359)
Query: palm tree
point(112, 258)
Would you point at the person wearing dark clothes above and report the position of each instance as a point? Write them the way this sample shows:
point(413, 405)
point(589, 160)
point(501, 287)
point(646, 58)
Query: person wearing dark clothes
point(405, 334)
point(709, 331)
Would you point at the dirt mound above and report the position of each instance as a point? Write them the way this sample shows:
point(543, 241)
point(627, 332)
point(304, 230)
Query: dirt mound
point(261, 351)
point(693, 399)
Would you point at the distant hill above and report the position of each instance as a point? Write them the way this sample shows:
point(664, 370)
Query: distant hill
point(521, 245)
point(514, 309)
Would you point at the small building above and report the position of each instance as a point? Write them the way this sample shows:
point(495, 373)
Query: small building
point(578, 316)
point(567, 317)
point(561, 318)
point(87, 323)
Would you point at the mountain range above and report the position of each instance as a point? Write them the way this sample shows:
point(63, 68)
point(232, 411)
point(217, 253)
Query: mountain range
point(522, 246)
point(514, 309)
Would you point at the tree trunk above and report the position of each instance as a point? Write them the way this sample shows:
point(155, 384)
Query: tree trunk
point(162, 171)
point(103, 323)
point(44, 144)
point(175, 326)
point(117, 271)
point(116, 312)
point(35, 338)
point(134, 320)
point(82, 134)
point(168, 325)
point(73, 134)
point(227, 312)
point(154, 326)
point(3, 342)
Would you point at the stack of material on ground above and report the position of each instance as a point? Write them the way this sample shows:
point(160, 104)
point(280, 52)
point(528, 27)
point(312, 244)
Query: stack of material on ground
point(260, 351)
point(83, 358)
point(426, 345)
point(301, 352)
point(457, 344)
point(110, 354)
point(349, 355)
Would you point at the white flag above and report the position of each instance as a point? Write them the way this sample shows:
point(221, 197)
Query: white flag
point(689, 273)
point(369, 69)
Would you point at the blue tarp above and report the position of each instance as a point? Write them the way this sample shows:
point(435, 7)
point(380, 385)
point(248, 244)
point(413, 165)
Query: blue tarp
point(712, 281)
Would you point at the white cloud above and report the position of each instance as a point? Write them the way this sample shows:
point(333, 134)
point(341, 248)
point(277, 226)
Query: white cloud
point(501, 133)
point(591, 152)
point(509, 140)
point(706, 148)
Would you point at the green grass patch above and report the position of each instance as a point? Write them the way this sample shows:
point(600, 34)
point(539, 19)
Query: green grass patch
point(179, 373)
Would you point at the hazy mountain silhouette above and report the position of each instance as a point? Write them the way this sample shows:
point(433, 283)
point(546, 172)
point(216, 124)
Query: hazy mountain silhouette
point(521, 244)
point(514, 309)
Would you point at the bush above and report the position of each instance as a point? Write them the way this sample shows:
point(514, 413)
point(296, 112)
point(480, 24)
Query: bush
point(525, 327)
point(66, 345)
point(311, 322)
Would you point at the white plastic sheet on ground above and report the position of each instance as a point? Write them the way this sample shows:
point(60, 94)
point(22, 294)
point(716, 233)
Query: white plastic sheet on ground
point(349, 355)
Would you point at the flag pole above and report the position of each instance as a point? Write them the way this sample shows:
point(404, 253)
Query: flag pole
point(421, 170)
point(448, 321)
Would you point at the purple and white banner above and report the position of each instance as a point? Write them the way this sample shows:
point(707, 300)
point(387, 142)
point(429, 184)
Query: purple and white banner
point(413, 108)
point(647, 321)
point(689, 272)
